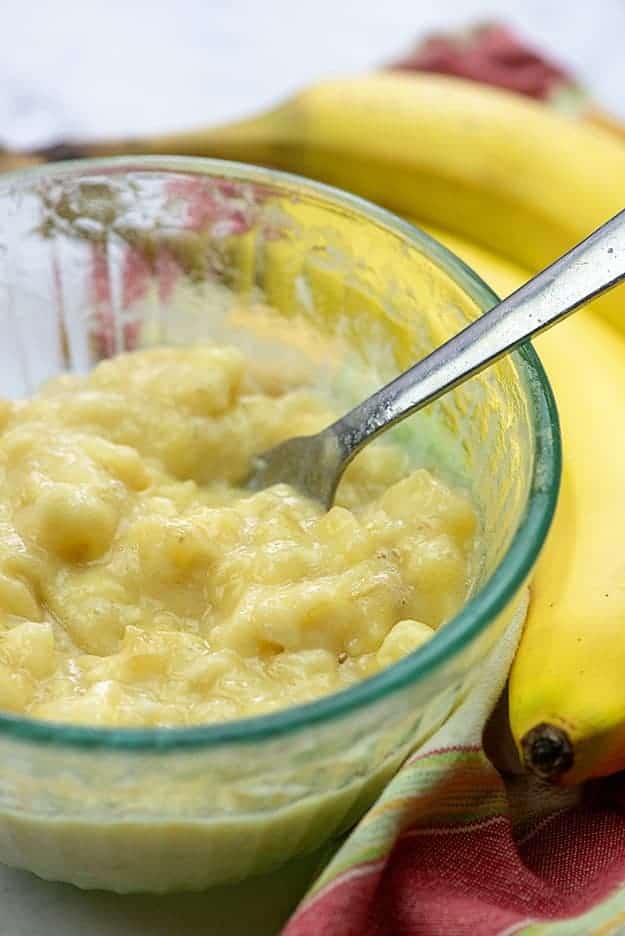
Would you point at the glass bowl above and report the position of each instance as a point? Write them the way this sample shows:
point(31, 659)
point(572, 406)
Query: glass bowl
point(101, 256)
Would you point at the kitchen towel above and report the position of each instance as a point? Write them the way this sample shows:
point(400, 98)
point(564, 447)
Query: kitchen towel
point(453, 848)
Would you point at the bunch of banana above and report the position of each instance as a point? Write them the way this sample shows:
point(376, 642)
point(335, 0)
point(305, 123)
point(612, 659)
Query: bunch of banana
point(510, 185)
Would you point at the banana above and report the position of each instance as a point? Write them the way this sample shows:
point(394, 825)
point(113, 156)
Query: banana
point(567, 687)
point(507, 172)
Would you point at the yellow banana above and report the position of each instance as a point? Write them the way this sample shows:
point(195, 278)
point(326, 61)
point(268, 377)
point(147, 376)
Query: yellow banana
point(508, 172)
point(567, 685)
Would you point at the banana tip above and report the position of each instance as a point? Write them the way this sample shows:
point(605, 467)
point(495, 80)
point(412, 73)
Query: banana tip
point(547, 751)
point(62, 151)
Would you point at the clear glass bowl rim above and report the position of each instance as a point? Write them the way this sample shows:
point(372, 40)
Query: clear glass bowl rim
point(471, 620)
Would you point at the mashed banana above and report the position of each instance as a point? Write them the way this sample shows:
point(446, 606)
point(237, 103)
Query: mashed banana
point(140, 586)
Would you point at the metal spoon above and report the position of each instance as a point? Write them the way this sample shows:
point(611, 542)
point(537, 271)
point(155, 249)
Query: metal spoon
point(314, 464)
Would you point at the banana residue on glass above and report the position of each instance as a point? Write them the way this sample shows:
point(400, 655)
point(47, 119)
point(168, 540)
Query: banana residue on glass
point(140, 584)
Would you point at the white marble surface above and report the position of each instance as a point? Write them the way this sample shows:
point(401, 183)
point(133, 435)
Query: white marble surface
point(80, 67)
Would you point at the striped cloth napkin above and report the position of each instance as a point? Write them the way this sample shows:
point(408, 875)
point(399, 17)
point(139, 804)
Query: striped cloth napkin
point(452, 848)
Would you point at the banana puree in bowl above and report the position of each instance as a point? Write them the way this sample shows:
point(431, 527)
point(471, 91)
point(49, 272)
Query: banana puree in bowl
point(196, 682)
point(141, 587)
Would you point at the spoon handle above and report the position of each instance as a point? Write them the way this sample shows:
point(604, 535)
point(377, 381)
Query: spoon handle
point(589, 269)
